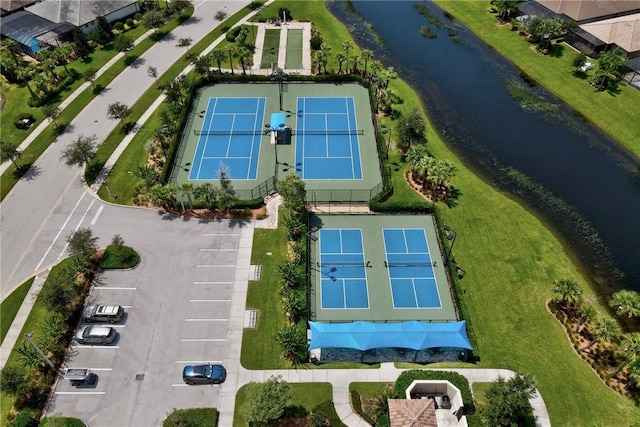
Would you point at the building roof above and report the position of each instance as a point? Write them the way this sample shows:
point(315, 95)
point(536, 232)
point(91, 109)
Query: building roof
point(624, 31)
point(412, 413)
point(11, 5)
point(76, 12)
point(27, 28)
point(581, 10)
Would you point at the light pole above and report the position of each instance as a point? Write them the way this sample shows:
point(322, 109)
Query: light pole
point(451, 236)
point(42, 355)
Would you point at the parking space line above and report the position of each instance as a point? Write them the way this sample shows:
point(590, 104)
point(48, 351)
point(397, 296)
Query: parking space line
point(100, 369)
point(220, 234)
point(80, 392)
point(215, 265)
point(203, 340)
point(206, 320)
point(217, 250)
point(179, 385)
point(113, 288)
point(96, 346)
point(198, 362)
point(126, 306)
point(209, 300)
point(213, 283)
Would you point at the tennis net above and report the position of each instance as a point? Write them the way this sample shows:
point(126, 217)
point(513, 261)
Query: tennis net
point(331, 265)
point(254, 132)
point(390, 264)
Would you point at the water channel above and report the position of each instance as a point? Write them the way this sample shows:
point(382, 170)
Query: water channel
point(590, 187)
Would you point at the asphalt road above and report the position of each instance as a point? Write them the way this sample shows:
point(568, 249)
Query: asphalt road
point(39, 212)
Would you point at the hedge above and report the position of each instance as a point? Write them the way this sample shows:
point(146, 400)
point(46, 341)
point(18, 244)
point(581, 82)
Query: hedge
point(192, 417)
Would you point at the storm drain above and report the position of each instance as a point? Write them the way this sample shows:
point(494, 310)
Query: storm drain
point(139, 377)
point(250, 318)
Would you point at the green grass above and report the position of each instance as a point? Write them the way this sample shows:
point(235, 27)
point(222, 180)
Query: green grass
point(271, 47)
point(615, 113)
point(31, 325)
point(10, 306)
point(510, 271)
point(480, 393)
point(305, 397)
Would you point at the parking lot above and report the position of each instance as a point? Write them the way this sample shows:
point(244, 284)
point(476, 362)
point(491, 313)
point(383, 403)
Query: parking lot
point(178, 305)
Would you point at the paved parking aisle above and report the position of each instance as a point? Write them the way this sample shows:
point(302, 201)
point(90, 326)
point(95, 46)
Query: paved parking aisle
point(178, 305)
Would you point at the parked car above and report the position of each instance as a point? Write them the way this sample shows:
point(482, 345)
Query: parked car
point(95, 335)
point(204, 374)
point(103, 313)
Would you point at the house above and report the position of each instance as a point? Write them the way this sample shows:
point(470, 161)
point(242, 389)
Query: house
point(10, 6)
point(83, 13)
point(583, 11)
point(33, 32)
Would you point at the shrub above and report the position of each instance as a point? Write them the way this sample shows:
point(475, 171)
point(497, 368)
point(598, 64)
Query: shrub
point(62, 422)
point(119, 257)
point(137, 16)
point(12, 379)
point(130, 23)
point(316, 42)
point(193, 417)
point(325, 411)
point(233, 34)
point(25, 419)
point(118, 26)
point(24, 121)
point(356, 404)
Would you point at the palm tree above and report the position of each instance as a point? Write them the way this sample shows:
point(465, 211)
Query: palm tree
point(52, 112)
point(605, 329)
point(24, 74)
point(245, 57)
point(90, 76)
point(609, 67)
point(341, 59)
point(506, 8)
point(355, 60)
point(206, 193)
point(366, 56)
point(443, 172)
point(416, 154)
point(218, 56)
point(9, 151)
point(231, 50)
point(347, 46)
point(187, 188)
point(568, 292)
point(634, 372)
point(62, 55)
point(626, 303)
point(587, 314)
point(326, 49)
point(13, 47)
point(630, 350)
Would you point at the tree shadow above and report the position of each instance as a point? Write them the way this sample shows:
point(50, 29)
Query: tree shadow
point(452, 201)
point(294, 411)
point(189, 21)
point(130, 60)
point(556, 51)
point(579, 74)
point(28, 171)
point(613, 88)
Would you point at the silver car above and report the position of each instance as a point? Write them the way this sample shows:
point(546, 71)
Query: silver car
point(95, 335)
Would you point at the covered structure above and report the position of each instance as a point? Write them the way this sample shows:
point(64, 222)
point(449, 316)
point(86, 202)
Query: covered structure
point(622, 31)
point(33, 32)
point(413, 335)
point(11, 6)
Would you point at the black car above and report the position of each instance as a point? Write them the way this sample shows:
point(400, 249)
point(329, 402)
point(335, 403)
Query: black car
point(204, 374)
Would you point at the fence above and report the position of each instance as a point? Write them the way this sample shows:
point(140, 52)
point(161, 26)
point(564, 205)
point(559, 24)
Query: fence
point(261, 190)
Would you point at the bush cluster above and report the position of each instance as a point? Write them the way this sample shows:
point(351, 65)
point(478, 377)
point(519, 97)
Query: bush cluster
point(24, 121)
point(192, 417)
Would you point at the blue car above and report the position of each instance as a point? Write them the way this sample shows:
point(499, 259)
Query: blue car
point(204, 374)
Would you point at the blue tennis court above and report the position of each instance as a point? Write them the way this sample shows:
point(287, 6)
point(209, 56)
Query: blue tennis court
point(229, 138)
point(343, 269)
point(410, 269)
point(327, 139)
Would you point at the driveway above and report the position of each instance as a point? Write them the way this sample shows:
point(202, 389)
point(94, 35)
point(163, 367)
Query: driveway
point(178, 303)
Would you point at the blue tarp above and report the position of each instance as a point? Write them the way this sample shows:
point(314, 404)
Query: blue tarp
point(368, 335)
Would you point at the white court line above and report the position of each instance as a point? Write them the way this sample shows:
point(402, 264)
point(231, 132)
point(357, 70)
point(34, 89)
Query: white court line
point(112, 288)
point(209, 300)
point(97, 215)
point(203, 340)
point(80, 392)
point(205, 320)
point(198, 362)
point(64, 250)
point(55, 239)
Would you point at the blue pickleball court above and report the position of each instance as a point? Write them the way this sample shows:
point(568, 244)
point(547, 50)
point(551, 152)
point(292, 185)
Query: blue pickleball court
point(343, 269)
point(230, 138)
point(410, 268)
point(327, 144)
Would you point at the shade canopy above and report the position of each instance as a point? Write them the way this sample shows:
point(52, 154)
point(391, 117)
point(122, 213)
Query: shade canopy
point(415, 335)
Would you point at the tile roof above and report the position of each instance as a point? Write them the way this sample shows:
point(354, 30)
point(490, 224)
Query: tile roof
point(76, 12)
point(624, 31)
point(412, 413)
point(581, 10)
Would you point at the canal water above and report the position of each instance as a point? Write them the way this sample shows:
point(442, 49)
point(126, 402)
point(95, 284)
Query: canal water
point(499, 122)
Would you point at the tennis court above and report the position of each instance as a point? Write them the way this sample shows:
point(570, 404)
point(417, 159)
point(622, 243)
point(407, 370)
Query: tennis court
point(229, 138)
point(364, 267)
point(343, 269)
point(410, 269)
point(327, 144)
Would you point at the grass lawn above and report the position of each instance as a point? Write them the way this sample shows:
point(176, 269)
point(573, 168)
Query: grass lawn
point(10, 306)
point(616, 113)
point(305, 397)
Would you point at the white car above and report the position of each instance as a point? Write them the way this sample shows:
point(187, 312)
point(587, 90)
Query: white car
point(95, 335)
